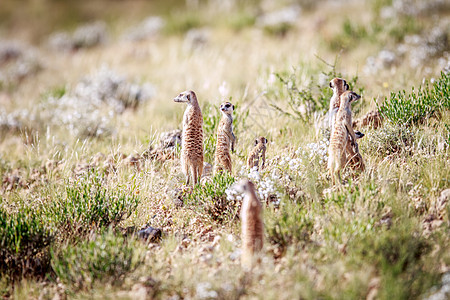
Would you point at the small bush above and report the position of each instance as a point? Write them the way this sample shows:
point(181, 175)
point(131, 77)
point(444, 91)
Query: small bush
point(211, 199)
point(416, 108)
point(389, 139)
point(24, 244)
point(88, 204)
point(289, 225)
point(304, 103)
point(106, 258)
point(398, 254)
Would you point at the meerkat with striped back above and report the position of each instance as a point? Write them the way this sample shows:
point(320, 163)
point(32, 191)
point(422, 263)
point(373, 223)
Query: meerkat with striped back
point(192, 138)
point(252, 224)
point(258, 153)
point(339, 86)
point(341, 135)
point(225, 139)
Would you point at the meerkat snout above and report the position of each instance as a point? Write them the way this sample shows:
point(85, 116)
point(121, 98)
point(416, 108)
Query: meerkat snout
point(185, 97)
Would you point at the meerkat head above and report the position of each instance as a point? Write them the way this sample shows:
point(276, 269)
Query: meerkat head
point(227, 108)
point(244, 186)
point(186, 97)
point(339, 84)
point(261, 140)
point(348, 97)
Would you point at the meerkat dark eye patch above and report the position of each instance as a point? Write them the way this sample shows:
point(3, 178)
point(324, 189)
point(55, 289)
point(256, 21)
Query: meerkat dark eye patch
point(331, 85)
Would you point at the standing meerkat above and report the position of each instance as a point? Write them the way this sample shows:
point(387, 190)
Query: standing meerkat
point(341, 134)
point(252, 225)
point(225, 139)
point(192, 138)
point(339, 86)
point(258, 153)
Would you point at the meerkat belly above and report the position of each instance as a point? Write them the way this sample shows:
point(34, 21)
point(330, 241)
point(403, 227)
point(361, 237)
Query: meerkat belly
point(339, 136)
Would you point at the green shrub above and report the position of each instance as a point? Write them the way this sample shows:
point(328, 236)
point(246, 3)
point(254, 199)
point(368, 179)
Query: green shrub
point(288, 225)
point(24, 243)
point(398, 254)
point(416, 108)
point(180, 23)
point(106, 258)
point(388, 140)
point(88, 204)
point(304, 103)
point(210, 198)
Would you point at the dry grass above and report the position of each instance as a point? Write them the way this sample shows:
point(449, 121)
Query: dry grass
point(383, 234)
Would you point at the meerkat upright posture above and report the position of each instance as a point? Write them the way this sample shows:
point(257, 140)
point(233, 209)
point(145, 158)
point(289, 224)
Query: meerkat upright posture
point(225, 139)
point(258, 153)
point(343, 131)
point(192, 138)
point(252, 225)
point(339, 86)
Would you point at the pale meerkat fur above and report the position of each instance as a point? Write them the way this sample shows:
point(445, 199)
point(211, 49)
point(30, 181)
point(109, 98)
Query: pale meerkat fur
point(339, 86)
point(258, 153)
point(342, 132)
point(225, 139)
point(192, 138)
point(252, 224)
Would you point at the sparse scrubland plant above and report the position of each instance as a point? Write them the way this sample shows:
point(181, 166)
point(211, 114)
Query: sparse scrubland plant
point(304, 103)
point(88, 204)
point(418, 107)
point(210, 198)
point(289, 225)
point(107, 258)
point(24, 243)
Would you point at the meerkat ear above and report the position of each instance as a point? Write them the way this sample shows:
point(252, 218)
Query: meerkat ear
point(266, 140)
point(232, 105)
point(256, 142)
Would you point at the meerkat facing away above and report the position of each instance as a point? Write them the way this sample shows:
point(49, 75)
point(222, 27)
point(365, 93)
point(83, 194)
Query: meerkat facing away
point(339, 86)
point(252, 225)
point(258, 153)
point(341, 134)
point(225, 139)
point(192, 138)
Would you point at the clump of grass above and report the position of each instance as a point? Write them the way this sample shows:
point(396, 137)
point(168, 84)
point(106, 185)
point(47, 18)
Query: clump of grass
point(211, 119)
point(210, 198)
point(89, 205)
point(24, 243)
point(399, 255)
point(352, 34)
point(289, 225)
point(303, 103)
point(389, 139)
point(105, 259)
point(180, 23)
point(416, 108)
